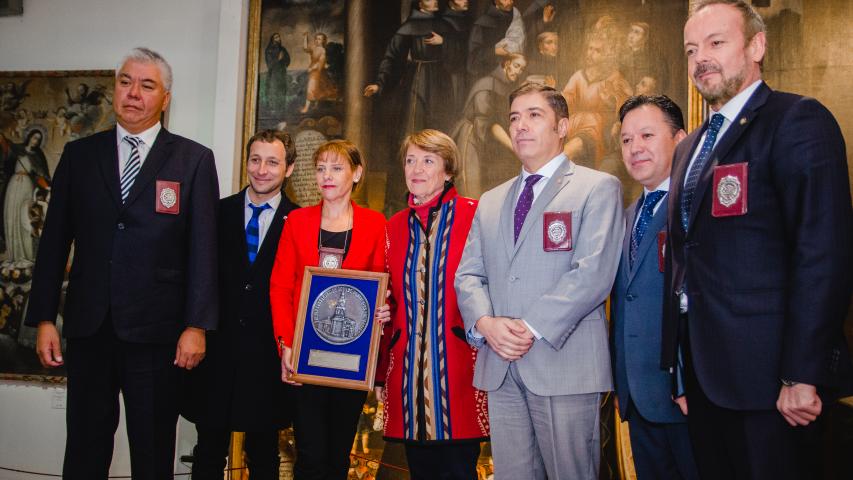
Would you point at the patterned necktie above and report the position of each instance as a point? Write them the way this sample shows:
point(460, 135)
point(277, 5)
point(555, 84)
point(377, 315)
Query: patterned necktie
point(525, 201)
point(131, 167)
point(698, 167)
point(646, 214)
point(253, 230)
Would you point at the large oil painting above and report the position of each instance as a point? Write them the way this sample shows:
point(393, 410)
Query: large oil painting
point(39, 113)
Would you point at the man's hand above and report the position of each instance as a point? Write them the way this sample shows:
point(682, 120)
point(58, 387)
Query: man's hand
point(191, 347)
point(287, 366)
point(371, 90)
point(509, 338)
point(548, 13)
point(379, 391)
point(48, 348)
point(799, 404)
point(434, 39)
point(682, 404)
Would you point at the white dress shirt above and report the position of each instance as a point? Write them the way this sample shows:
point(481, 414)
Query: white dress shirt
point(264, 219)
point(730, 112)
point(148, 137)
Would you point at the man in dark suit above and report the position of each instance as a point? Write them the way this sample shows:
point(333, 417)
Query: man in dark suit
point(238, 387)
point(758, 276)
point(651, 128)
point(139, 205)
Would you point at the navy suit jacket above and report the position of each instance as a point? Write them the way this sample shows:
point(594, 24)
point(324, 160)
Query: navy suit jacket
point(238, 385)
point(637, 311)
point(152, 274)
point(768, 290)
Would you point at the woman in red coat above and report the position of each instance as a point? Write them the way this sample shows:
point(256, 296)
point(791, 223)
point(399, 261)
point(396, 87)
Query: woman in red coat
point(346, 236)
point(426, 363)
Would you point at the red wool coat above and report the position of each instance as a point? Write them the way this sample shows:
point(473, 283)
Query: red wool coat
point(426, 363)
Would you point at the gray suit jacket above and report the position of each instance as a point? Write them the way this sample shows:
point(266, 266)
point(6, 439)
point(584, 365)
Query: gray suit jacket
point(560, 294)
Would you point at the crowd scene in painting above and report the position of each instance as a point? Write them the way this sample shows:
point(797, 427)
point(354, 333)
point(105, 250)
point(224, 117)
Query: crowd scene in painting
point(728, 279)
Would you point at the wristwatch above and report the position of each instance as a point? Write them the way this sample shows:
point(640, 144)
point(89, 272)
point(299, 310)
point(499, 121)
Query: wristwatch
point(788, 383)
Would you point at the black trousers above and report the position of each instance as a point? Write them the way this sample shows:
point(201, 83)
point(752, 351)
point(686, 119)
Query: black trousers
point(209, 455)
point(456, 461)
point(324, 426)
point(747, 445)
point(101, 366)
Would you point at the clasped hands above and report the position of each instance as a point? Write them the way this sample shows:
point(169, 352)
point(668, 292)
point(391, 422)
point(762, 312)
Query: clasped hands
point(508, 337)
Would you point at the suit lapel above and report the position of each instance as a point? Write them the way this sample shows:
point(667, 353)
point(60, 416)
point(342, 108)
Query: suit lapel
point(734, 132)
point(630, 216)
point(108, 162)
point(273, 232)
point(153, 163)
point(649, 238)
point(507, 214)
point(557, 182)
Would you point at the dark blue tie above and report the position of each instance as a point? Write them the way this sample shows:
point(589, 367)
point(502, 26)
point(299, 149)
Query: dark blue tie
point(698, 167)
point(253, 232)
point(525, 201)
point(646, 215)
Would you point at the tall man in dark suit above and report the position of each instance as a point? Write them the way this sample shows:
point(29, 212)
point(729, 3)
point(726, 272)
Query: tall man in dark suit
point(758, 276)
point(651, 128)
point(238, 387)
point(139, 204)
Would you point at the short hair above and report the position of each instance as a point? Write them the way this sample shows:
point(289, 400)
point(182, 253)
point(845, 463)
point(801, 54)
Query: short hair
point(752, 21)
point(436, 142)
point(645, 26)
point(344, 149)
point(671, 111)
point(542, 37)
point(146, 55)
point(513, 57)
point(270, 136)
point(554, 98)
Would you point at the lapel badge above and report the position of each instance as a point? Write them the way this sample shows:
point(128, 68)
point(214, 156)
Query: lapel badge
point(743, 120)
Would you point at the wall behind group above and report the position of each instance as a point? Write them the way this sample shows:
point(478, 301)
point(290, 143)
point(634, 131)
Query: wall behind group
point(204, 41)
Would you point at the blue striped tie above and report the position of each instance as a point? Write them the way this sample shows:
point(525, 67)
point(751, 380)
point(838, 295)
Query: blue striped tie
point(646, 214)
point(131, 167)
point(698, 167)
point(253, 231)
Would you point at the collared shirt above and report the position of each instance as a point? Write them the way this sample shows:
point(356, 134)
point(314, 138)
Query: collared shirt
point(264, 219)
point(148, 137)
point(730, 112)
point(547, 171)
point(664, 185)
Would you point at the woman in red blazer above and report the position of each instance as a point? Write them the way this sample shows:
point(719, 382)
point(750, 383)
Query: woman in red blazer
point(346, 236)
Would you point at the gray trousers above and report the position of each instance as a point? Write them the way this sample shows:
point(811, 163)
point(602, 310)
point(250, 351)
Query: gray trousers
point(536, 437)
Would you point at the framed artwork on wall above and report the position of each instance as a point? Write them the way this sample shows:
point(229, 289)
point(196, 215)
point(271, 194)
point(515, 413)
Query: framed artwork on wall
point(39, 112)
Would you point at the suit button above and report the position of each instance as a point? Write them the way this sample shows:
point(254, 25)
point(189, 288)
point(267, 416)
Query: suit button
point(630, 297)
point(248, 287)
point(512, 278)
point(242, 322)
point(120, 226)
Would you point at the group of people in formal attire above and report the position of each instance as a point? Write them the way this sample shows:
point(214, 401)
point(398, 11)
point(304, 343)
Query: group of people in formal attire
point(729, 279)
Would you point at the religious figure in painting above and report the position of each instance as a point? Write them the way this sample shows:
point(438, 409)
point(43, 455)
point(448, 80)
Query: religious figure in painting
point(277, 59)
point(320, 84)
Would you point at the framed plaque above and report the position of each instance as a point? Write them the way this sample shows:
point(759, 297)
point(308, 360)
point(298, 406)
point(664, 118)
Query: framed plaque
point(336, 341)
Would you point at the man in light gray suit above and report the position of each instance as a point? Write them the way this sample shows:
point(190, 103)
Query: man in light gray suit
point(539, 262)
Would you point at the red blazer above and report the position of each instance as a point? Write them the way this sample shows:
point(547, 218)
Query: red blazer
point(297, 249)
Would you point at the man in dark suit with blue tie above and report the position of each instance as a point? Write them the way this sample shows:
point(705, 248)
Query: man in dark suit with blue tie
point(139, 205)
point(651, 128)
point(238, 387)
point(759, 259)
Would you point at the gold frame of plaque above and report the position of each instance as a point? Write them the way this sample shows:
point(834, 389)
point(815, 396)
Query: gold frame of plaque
point(344, 353)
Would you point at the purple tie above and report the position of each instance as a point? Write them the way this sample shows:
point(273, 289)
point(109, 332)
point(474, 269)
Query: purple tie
point(525, 201)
